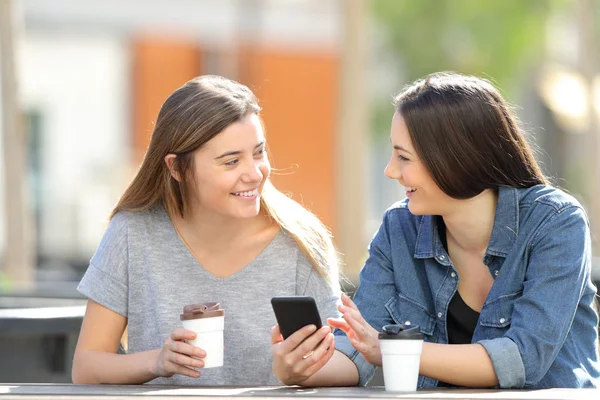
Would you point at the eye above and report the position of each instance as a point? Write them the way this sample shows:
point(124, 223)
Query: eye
point(260, 152)
point(232, 162)
point(402, 158)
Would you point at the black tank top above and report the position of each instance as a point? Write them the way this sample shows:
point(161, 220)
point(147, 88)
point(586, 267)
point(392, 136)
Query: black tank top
point(461, 319)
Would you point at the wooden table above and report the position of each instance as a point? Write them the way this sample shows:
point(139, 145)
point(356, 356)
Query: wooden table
point(110, 392)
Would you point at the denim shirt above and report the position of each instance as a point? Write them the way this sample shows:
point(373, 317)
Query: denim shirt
point(537, 324)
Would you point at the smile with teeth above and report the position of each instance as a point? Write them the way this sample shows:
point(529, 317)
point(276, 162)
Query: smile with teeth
point(249, 193)
point(409, 189)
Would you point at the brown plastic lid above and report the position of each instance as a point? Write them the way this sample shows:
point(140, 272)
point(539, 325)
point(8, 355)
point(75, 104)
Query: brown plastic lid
point(202, 310)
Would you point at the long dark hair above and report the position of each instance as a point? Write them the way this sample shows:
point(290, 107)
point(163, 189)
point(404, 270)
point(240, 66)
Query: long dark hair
point(466, 135)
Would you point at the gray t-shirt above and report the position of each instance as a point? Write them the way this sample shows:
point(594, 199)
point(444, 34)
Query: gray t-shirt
point(144, 272)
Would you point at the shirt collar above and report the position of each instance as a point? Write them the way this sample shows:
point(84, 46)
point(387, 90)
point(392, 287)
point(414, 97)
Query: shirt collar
point(504, 232)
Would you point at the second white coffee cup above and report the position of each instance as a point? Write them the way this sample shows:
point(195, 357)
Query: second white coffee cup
point(401, 349)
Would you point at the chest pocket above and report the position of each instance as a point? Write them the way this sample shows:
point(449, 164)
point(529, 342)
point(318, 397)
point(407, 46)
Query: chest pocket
point(498, 312)
point(406, 311)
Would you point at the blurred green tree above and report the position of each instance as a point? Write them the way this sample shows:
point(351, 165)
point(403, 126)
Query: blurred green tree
point(497, 39)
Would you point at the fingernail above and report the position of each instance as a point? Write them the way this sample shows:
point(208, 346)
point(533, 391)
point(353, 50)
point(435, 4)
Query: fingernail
point(312, 328)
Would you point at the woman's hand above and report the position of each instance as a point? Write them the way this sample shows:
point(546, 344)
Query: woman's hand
point(363, 336)
point(179, 357)
point(302, 354)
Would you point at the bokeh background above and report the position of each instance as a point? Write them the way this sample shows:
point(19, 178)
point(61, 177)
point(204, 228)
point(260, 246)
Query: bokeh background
point(82, 82)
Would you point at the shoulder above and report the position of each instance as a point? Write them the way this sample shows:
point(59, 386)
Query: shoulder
point(545, 209)
point(283, 243)
point(547, 196)
point(134, 222)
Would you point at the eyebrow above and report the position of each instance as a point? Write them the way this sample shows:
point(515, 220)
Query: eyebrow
point(400, 148)
point(236, 152)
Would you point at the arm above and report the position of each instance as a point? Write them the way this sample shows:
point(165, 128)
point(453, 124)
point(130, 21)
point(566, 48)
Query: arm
point(339, 371)
point(309, 358)
point(463, 365)
point(306, 353)
point(95, 360)
point(458, 364)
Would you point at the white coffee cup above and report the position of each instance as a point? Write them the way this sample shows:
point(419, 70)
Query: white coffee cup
point(207, 320)
point(401, 347)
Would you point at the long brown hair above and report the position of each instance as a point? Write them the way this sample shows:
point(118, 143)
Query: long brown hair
point(190, 117)
point(466, 135)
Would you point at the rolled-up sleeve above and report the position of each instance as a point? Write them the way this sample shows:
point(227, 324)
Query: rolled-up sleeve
point(507, 362)
point(365, 370)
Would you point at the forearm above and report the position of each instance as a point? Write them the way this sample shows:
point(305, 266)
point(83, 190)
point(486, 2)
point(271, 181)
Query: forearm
point(95, 367)
point(462, 365)
point(339, 371)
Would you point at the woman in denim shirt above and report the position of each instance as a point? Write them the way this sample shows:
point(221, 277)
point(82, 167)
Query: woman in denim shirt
point(491, 262)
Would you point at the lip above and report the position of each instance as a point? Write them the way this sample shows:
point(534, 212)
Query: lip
point(409, 194)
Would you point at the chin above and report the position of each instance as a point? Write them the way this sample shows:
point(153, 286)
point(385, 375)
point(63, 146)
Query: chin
point(249, 213)
point(416, 210)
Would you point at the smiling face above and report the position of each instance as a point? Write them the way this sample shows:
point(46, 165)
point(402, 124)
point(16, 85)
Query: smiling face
point(230, 171)
point(425, 197)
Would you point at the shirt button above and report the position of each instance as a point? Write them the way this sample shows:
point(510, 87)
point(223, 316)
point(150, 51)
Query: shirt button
point(407, 323)
point(442, 257)
point(453, 275)
point(502, 320)
point(440, 315)
point(496, 272)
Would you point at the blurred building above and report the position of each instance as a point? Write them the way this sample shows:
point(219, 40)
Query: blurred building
point(93, 76)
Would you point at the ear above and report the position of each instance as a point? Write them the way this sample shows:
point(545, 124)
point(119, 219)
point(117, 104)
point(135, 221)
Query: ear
point(170, 161)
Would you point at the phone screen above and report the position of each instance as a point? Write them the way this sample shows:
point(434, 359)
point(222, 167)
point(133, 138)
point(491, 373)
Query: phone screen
point(295, 312)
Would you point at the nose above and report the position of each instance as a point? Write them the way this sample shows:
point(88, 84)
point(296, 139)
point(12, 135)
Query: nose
point(392, 171)
point(253, 172)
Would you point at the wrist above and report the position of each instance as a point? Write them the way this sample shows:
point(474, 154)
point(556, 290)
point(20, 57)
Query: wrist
point(152, 364)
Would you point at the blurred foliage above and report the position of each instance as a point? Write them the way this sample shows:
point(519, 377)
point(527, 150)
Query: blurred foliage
point(5, 282)
point(497, 39)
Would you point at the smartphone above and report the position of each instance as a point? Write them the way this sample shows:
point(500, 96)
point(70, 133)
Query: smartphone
point(295, 312)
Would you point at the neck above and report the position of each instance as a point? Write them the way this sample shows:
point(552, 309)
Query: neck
point(469, 224)
point(214, 231)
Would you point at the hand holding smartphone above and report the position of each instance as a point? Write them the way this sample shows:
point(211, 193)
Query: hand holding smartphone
point(295, 312)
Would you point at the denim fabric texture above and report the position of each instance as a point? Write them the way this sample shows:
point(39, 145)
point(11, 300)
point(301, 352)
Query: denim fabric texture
point(538, 323)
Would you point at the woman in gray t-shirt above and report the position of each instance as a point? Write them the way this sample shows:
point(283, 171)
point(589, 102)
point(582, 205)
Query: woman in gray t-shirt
point(201, 222)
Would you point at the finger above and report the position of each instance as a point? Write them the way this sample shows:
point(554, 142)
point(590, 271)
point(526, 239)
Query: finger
point(310, 344)
point(317, 352)
point(183, 370)
point(360, 329)
point(355, 313)
point(325, 357)
point(294, 340)
point(183, 360)
point(339, 323)
point(276, 335)
point(183, 334)
point(187, 349)
point(347, 301)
